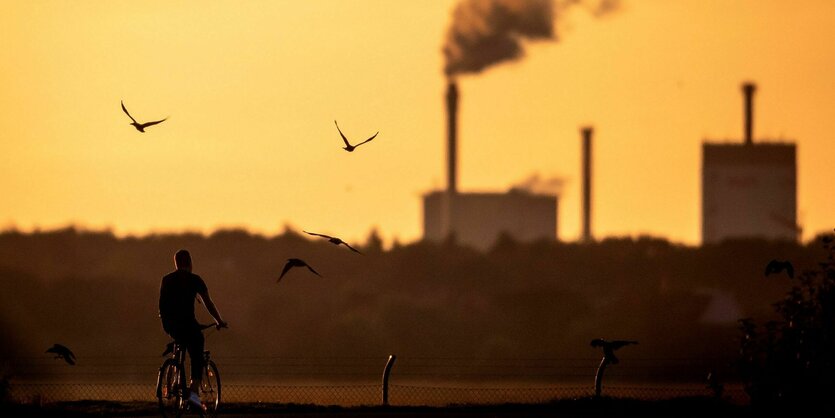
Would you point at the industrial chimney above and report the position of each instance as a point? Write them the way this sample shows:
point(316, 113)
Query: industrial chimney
point(748, 90)
point(452, 137)
point(586, 133)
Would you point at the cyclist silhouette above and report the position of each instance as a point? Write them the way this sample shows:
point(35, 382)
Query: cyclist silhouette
point(177, 293)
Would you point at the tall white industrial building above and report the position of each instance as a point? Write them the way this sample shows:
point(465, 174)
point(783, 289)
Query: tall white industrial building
point(749, 190)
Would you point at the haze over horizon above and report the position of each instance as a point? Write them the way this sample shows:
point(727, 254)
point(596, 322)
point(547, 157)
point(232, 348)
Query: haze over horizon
point(252, 91)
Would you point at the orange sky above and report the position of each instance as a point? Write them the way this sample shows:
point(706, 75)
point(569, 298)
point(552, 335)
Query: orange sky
point(252, 90)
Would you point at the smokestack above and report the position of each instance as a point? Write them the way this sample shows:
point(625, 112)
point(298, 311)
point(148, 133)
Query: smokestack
point(452, 137)
point(748, 89)
point(586, 133)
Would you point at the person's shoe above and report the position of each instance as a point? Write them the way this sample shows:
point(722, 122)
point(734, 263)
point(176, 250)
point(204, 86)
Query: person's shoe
point(194, 400)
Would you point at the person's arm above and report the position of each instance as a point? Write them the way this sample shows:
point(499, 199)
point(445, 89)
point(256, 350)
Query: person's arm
point(210, 306)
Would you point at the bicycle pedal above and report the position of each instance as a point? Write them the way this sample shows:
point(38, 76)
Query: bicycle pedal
point(190, 405)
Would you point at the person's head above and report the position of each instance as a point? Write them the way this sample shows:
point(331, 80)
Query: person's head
point(182, 260)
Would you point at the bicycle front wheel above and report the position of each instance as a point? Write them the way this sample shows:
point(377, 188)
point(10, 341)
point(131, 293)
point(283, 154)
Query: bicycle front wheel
point(210, 388)
point(170, 384)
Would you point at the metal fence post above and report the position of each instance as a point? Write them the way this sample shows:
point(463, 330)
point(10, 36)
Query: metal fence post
point(386, 373)
point(598, 378)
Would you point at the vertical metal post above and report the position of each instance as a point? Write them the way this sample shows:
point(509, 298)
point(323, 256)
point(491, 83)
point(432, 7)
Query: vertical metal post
point(386, 373)
point(598, 378)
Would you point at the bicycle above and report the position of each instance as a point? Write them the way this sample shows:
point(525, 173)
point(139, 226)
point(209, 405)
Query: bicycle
point(173, 385)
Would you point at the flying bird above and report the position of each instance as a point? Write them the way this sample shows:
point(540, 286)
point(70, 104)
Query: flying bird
point(333, 240)
point(140, 126)
point(775, 266)
point(609, 348)
point(348, 147)
point(62, 352)
point(295, 262)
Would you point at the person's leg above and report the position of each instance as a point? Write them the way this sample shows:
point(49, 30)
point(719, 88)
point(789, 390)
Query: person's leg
point(195, 351)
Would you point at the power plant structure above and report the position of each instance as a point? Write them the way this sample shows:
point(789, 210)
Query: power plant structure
point(749, 190)
point(479, 219)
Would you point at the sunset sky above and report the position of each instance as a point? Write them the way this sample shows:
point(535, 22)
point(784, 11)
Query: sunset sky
point(252, 89)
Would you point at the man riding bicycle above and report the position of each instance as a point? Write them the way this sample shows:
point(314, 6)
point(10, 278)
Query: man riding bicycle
point(176, 309)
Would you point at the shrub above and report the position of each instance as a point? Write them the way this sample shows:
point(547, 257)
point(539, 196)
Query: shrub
point(790, 361)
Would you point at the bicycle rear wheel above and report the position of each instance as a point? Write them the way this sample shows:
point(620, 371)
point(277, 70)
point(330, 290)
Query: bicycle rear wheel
point(170, 383)
point(210, 388)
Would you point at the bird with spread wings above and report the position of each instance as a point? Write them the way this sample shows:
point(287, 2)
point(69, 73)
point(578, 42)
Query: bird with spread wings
point(62, 352)
point(140, 126)
point(348, 147)
point(333, 240)
point(295, 262)
point(609, 348)
point(776, 266)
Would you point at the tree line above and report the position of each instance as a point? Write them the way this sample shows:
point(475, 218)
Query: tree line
point(98, 293)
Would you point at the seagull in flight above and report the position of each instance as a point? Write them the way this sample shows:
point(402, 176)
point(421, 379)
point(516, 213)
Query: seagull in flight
point(62, 352)
point(775, 266)
point(333, 240)
point(140, 126)
point(295, 262)
point(348, 147)
point(609, 348)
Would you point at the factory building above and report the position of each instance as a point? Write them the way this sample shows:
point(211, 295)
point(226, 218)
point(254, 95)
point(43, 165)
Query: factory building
point(478, 219)
point(749, 190)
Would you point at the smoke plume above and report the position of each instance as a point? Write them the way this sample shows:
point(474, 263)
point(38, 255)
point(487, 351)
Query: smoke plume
point(487, 32)
point(597, 8)
point(541, 185)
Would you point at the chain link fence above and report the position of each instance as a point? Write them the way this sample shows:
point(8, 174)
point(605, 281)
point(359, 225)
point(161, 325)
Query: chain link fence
point(358, 381)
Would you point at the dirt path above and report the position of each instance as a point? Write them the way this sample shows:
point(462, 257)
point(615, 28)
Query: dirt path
point(684, 407)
